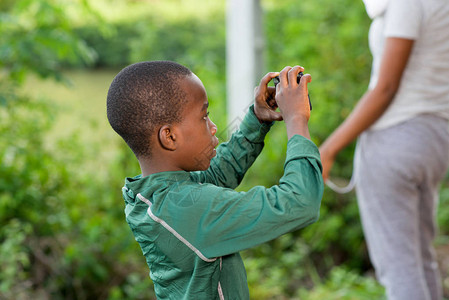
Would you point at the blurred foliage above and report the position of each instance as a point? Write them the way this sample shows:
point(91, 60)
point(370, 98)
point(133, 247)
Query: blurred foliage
point(62, 228)
point(57, 238)
point(345, 285)
point(37, 37)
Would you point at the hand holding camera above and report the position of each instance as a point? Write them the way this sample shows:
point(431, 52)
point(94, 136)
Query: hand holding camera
point(293, 101)
point(276, 80)
point(291, 92)
point(289, 96)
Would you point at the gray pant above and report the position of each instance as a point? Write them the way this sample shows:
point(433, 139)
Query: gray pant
point(398, 174)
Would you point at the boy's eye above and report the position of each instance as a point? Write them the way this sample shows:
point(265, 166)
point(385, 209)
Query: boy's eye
point(206, 116)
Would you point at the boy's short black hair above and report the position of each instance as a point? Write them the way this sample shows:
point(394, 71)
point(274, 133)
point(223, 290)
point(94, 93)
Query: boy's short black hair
point(144, 96)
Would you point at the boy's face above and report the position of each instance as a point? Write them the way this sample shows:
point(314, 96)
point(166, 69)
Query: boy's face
point(198, 140)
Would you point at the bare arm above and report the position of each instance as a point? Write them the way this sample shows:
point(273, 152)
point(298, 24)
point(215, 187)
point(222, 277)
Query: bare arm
point(373, 103)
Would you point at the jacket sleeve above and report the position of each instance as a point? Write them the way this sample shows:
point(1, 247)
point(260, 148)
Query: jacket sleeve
point(237, 155)
point(222, 221)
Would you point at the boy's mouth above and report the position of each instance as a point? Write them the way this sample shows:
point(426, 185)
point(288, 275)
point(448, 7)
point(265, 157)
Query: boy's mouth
point(214, 145)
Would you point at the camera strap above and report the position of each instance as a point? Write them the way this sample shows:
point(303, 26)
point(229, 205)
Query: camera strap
point(351, 185)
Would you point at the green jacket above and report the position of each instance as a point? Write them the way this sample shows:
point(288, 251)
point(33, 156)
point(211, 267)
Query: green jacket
point(192, 225)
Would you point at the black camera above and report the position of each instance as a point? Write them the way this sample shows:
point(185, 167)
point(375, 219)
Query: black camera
point(298, 79)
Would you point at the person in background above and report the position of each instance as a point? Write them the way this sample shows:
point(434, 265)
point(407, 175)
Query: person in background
point(403, 143)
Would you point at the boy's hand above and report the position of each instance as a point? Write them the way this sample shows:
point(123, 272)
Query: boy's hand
point(265, 105)
point(291, 97)
point(293, 101)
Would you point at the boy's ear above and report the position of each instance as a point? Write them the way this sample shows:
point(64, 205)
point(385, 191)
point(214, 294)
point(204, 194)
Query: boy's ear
point(167, 137)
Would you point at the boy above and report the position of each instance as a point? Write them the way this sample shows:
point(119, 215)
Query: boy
point(182, 209)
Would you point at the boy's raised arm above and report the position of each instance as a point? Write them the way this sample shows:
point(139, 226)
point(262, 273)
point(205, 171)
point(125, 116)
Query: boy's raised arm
point(237, 155)
point(222, 221)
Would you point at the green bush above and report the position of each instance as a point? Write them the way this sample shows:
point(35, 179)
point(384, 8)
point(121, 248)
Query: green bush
point(345, 285)
point(111, 45)
point(37, 38)
point(61, 224)
point(61, 234)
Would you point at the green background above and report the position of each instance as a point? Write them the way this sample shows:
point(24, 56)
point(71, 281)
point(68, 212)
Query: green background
point(62, 228)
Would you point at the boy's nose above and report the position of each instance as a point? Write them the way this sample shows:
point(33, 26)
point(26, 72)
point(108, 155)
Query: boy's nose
point(213, 128)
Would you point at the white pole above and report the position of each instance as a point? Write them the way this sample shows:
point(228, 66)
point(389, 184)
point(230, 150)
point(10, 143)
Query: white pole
point(244, 57)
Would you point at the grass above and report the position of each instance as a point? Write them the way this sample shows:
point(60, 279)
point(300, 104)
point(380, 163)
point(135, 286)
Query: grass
point(119, 10)
point(81, 110)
